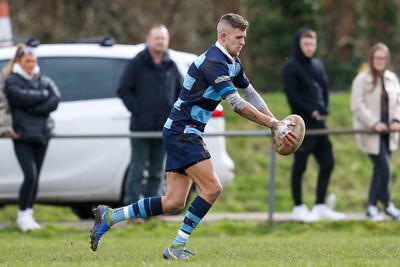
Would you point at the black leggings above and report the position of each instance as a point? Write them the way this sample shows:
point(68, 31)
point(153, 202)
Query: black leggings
point(379, 189)
point(30, 156)
point(321, 148)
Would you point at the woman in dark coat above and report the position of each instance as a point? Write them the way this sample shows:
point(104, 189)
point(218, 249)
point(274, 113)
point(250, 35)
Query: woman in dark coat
point(32, 97)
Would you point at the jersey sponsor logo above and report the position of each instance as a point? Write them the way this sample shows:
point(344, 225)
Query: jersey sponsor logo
point(222, 78)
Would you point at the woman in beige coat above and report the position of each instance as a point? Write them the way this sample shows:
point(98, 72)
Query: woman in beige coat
point(375, 103)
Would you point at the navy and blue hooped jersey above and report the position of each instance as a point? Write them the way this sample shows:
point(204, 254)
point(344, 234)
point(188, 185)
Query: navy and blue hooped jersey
point(210, 78)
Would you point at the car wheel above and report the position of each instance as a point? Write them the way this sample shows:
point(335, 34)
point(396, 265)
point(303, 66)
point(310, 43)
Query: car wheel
point(83, 211)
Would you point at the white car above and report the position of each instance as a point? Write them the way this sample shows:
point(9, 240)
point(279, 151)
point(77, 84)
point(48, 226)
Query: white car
point(82, 172)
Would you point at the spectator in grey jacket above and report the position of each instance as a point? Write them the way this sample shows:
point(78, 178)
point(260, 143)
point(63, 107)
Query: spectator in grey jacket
point(149, 87)
point(375, 102)
point(32, 97)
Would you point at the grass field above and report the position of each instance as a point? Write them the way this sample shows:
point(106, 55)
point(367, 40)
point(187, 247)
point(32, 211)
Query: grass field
point(226, 243)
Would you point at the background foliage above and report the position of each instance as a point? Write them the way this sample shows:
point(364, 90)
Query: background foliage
point(346, 28)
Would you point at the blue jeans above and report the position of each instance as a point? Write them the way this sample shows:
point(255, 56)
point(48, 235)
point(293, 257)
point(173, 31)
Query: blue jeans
point(147, 154)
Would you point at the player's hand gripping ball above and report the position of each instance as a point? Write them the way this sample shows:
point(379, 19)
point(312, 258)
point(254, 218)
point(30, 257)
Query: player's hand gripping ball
point(293, 123)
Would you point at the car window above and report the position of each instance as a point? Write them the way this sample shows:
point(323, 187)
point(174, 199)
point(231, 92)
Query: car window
point(84, 78)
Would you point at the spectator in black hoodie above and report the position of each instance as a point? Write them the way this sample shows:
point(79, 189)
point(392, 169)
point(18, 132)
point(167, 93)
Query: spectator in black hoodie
point(305, 83)
point(32, 97)
point(149, 87)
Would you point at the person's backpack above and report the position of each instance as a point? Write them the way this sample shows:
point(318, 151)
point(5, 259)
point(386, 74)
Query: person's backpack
point(6, 122)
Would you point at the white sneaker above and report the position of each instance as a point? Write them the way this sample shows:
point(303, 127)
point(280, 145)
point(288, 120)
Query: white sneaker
point(34, 224)
point(373, 213)
point(392, 211)
point(26, 222)
point(22, 221)
point(301, 213)
point(323, 212)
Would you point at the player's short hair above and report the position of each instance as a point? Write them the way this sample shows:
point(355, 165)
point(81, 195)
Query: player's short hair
point(308, 34)
point(233, 20)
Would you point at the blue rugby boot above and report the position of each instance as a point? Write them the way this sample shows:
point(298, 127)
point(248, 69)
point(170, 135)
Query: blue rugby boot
point(100, 225)
point(177, 253)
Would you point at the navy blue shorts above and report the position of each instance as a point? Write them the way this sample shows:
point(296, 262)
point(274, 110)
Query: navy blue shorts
point(183, 150)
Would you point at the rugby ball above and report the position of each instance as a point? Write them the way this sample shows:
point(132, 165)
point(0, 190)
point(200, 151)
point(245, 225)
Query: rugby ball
point(296, 124)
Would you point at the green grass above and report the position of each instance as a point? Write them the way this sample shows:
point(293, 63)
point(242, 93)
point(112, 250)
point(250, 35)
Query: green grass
point(225, 243)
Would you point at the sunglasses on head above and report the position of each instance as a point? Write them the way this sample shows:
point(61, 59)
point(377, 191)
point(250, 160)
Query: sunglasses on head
point(24, 51)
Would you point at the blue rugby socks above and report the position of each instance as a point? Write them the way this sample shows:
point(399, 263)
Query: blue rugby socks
point(197, 210)
point(152, 206)
point(144, 208)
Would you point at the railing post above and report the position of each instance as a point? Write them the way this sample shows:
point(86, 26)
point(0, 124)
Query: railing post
point(271, 201)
